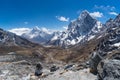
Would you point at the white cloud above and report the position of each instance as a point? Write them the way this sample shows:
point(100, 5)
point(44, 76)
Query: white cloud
point(49, 31)
point(107, 8)
point(96, 14)
point(113, 13)
point(62, 18)
point(20, 31)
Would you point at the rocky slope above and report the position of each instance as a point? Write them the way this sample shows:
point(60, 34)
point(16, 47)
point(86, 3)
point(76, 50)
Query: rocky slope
point(109, 69)
point(104, 54)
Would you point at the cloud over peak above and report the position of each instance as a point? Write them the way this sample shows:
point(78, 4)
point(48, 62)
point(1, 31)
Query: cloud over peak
point(96, 14)
point(62, 18)
point(20, 31)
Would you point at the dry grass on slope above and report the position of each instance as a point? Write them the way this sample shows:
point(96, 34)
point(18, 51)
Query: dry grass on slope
point(52, 54)
point(74, 54)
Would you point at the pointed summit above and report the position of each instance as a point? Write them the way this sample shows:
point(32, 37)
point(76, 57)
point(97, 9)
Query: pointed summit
point(117, 19)
point(84, 14)
point(109, 22)
point(83, 28)
point(36, 28)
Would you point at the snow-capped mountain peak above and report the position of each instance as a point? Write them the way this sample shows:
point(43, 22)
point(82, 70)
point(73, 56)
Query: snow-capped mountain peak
point(83, 14)
point(20, 31)
point(11, 39)
point(36, 34)
point(79, 30)
point(36, 28)
point(42, 30)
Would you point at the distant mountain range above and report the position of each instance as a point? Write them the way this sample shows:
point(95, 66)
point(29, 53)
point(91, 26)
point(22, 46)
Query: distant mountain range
point(83, 29)
point(11, 39)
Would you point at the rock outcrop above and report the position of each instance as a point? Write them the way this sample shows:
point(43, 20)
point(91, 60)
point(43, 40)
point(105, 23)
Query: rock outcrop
point(109, 69)
point(105, 60)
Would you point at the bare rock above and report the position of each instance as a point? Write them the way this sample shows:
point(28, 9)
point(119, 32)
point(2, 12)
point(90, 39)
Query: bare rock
point(110, 70)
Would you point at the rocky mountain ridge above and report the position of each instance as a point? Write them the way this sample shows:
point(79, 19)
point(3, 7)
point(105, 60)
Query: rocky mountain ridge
point(107, 54)
point(82, 29)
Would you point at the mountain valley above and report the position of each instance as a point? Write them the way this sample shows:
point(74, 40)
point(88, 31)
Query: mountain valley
point(88, 48)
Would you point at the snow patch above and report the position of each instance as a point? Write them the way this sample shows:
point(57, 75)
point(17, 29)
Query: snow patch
point(117, 44)
point(91, 37)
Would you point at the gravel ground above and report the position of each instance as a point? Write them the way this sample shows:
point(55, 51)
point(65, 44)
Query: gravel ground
point(16, 71)
point(11, 69)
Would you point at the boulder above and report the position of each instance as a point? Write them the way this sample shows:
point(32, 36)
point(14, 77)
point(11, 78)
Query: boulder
point(94, 61)
point(38, 71)
point(110, 70)
point(54, 68)
point(68, 67)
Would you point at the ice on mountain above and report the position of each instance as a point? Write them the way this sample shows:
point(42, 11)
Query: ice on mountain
point(117, 44)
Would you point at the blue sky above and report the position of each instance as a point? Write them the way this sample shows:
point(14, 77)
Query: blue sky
point(52, 14)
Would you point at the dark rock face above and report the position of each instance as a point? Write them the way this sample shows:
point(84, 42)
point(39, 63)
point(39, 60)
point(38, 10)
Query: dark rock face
point(110, 70)
point(109, 43)
point(111, 37)
point(116, 56)
point(82, 25)
point(67, 67)
point(94, 61)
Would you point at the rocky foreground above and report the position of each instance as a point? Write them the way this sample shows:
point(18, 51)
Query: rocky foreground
point(15, 71)
point(16, 67)
point(22, 69)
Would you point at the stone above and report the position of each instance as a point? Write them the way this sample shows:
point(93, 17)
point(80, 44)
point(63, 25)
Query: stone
point(38, 71)
point(69, 66)
point(94, 61)
point(53, 68)
point(110, 70)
